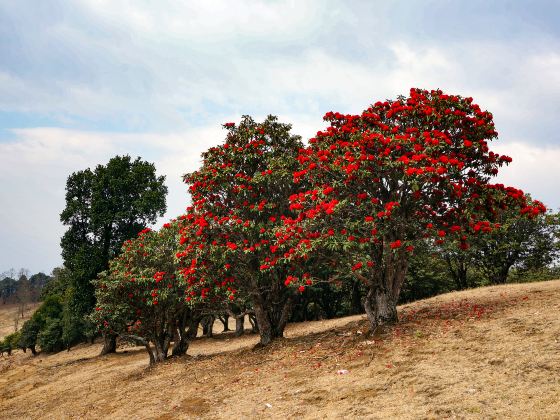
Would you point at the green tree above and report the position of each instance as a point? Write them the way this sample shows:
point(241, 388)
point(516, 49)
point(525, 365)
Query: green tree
point(520, 242)
point(50, 309)
point(104, 207)
point(50, 337)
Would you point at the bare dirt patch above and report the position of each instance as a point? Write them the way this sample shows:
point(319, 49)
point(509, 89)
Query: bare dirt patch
point(484, 353)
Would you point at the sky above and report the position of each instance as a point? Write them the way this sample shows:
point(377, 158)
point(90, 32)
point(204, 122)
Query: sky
point(83, 81)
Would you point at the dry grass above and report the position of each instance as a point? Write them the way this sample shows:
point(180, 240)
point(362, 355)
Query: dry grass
point(9, 313)
point(485, 353)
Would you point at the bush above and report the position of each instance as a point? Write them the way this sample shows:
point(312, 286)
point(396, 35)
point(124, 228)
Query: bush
point(51, 308)
point(50, 337)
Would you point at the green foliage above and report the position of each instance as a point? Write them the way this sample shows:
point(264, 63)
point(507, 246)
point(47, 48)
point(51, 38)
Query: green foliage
point(104, 207)
point(29, 333)
point(428, 275)
point(50, 336)
point(59, 283)
point(528, 244)
point(51, 309)
point(74, 327)
point(10, 342)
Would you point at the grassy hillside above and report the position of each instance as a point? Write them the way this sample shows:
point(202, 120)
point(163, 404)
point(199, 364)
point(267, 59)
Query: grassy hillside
point(484, 353)
point(9, 312)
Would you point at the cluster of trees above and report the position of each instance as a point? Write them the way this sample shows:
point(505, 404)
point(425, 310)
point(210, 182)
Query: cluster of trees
point(21, 287)
point(104, 207)
point(282, 230)
point(391, 204)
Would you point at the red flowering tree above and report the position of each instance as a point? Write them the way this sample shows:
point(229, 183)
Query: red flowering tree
point(141, 298)
point(401, 171)
point(240, 197)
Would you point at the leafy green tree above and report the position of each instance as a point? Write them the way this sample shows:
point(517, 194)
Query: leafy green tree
point(520, 242)
point(8, 288)
point(9, 343)
point(50, 337)
point(428, 273)
point(51, 308)
point(58, 285)
point(38, 282)
point(105, 207)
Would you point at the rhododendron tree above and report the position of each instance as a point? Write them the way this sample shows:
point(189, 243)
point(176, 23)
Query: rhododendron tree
point(239, 199)
point(141, 298)
point(401, 171)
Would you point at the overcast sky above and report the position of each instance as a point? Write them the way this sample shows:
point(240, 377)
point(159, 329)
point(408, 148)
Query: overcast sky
point(85, 80)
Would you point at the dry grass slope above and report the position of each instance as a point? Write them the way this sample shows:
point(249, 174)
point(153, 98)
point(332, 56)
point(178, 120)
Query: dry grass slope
point(485, 353)
point(8, 314)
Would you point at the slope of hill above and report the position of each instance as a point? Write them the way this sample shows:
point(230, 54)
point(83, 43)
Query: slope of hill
point(8, 314)
point(484, 353)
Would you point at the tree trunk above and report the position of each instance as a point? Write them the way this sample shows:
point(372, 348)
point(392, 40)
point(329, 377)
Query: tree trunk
point(459, 274)
point(381, 308)
point(502, 275)
point(356, 303)
point(207, 325)
point(160, 350)
point(109, 344)
point(254, 324)
point(224, 319)
point(272, 322)
point(181, 339)
point(150, 354)
point(192, 331)
point(239, 325)
point(380, 302)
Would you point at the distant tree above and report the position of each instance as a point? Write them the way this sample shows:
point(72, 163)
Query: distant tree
point(8, 288)
point(23, 293)
point(38, 282)
point(520, 242)
point(105, 207)
point(9, 343)
point(429, 273)
point(50, 309)
point(61, 280)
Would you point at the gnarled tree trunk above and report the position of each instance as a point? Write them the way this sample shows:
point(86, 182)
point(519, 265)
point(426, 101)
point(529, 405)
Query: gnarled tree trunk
point(380, 302)
point(109, 344)
point(181, 338)
point(271, 318)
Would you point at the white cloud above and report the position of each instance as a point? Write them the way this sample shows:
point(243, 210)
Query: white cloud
point(534, 169)
point(35, 165)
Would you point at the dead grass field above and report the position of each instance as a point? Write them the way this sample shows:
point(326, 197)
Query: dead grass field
point(9, 312)
point(484, 353)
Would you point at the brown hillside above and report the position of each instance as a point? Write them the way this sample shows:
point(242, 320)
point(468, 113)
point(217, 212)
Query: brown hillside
point(484, 353)
point(9, 312)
